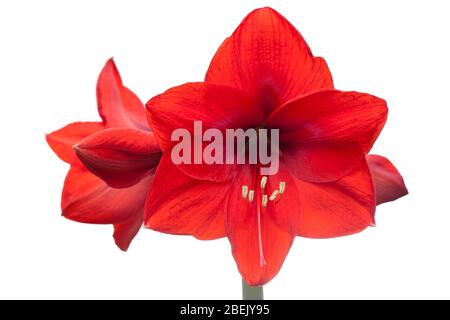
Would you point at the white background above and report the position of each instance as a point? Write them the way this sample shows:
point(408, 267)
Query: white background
point(51, 53)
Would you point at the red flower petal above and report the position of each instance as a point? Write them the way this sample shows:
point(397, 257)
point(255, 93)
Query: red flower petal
point(61, 141)
point(216, 106)
point(328, 132)
point(120, 156)
point(117, 105)
point(331, 116)
point(337, 208)
point(321, 163)
point(258, 235)
point(389, 184)
point(268, 57)
point(178, 204)
point(125, 232)
point(88, 199)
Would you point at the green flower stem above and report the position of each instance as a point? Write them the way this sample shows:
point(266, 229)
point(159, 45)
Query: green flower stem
point(251, 293)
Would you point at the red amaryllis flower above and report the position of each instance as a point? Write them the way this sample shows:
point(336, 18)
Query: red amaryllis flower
point(87, 198)
point(265, 76)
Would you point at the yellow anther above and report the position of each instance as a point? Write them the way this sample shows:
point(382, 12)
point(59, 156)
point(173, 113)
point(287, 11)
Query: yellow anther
point(263, 182)
point(251, 195)
point(274, 195)
point(282, 186)
point(244, 191)
point(264, 200)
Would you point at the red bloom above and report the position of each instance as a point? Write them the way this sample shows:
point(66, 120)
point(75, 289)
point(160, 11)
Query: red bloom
point(265, 75)
point(86, 198)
